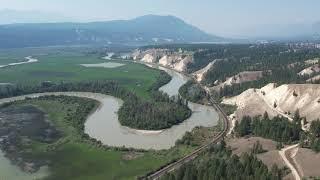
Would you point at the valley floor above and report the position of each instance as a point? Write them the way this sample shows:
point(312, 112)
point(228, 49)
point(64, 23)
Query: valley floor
point(76, 157)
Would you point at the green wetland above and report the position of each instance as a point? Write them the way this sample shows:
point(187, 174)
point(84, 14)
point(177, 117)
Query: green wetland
point(88, 147)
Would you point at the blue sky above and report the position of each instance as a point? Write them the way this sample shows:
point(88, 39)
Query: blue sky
point(223, 17)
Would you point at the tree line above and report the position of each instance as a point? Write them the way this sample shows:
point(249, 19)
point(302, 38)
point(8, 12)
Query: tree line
point(277, 128)
point(311, 139)
point(157, 113)
point(279, 62)
point(218, 162)
point(280, 129)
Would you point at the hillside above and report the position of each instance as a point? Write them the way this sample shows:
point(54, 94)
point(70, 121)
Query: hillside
point(178, 61)
point(283, 100)
point(148, 29)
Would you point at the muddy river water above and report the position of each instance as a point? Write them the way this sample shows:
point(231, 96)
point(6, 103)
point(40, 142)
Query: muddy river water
point(103, 124)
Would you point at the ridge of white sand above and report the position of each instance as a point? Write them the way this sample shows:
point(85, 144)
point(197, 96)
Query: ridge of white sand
point(314, 78)
point(148, 58)
point(199, 75)
point(287, 98)
point(310, 70)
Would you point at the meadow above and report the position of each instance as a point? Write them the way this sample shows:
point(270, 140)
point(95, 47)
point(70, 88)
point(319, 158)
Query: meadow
point(57, 66)
point(73, 158)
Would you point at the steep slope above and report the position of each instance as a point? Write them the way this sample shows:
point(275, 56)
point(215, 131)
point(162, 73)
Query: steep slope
point(242, 77)
point(283, 100)
point(313, 79)
point(310, 70)
point(148, 29)
point(175, 60)
point(199, 75)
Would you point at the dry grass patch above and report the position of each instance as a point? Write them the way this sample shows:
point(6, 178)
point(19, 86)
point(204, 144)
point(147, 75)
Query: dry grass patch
point(269, 158)
point(308, 162)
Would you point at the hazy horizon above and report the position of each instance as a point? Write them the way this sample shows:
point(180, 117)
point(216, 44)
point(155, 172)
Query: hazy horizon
point(247, 18)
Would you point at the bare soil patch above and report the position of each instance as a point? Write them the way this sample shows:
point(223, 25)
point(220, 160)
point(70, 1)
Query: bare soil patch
point(288, 98)
point(245, 144)
point(309, 162)
point(269, 158)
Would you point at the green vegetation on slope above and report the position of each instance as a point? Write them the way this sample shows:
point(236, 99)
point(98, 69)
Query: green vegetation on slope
point(277, 128)
point(281, 130)
point(199, 136)
point(280, 63)
point(193, 92)
point(311, 139)
point(219, 163)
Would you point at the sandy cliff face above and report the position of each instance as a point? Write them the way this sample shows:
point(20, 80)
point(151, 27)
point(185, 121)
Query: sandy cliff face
point(149, 58)
point(287, 98)
point(314, 78)
point(315, 68)
point(149, 55)
point(174, 60)
point(136, 55)
point(242, 77)
point(182, 65)
point(200, 74)
point(177, 62)
point(166, 60)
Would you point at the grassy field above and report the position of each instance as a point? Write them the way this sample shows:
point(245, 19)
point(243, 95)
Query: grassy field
point(75, 159)
point(65, 66)
point(72, 158)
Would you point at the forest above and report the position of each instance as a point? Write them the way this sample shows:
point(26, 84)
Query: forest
point(219, 163)
point(278, 128)
point(158, 112)
point(311, 139)
point(193, 92)
point(279, 62)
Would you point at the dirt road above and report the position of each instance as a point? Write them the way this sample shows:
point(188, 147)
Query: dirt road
point(288, 163)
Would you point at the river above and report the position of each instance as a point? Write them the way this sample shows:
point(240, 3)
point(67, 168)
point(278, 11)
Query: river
point(103, 124)
point(29, 60)
point(108, 130)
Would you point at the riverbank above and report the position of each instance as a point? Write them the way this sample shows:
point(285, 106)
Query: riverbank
point(105, 128)
point(82, 150)
point(109, 158)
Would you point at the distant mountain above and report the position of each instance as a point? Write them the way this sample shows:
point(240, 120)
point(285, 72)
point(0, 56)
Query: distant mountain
point(148, 29)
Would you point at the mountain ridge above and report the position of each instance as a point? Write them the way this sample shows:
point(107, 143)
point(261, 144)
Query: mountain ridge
point(148, 29)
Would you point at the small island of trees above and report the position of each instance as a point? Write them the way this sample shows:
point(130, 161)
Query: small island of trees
point(158, 112)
